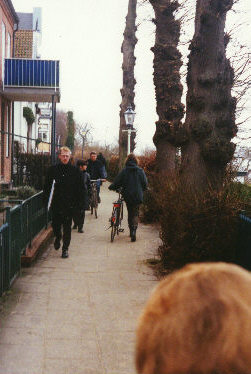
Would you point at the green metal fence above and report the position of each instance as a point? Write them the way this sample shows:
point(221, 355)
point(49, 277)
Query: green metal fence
point(22, 223)
point(244, 242)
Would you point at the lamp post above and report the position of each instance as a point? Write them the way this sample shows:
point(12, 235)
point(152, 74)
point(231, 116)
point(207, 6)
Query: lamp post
point(129, 119)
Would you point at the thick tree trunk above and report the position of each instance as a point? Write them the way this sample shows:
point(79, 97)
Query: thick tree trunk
point(168, 89)
point(210, 116)
point(127, 92)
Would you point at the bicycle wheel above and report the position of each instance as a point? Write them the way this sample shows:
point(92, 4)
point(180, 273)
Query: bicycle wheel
point(91, 203)
point(113, 224)
point(118, 212)
point(95, 204)
point(113, 232)
point(121, 215)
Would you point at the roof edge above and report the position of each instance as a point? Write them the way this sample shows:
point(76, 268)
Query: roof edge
point(12, 9)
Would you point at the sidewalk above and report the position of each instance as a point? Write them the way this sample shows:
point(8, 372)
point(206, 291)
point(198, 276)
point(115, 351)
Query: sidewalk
point(78, 315)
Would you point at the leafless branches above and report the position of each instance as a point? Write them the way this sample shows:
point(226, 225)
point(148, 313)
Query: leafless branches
point(84, 132)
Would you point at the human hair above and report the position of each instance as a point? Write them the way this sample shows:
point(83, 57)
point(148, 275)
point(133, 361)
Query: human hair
point(197, 321)
point(93, 153)
point(132, 157)
point(64, 149)
point(80, 163)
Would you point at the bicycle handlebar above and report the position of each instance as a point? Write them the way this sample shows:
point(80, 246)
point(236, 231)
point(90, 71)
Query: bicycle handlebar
point(97, 180)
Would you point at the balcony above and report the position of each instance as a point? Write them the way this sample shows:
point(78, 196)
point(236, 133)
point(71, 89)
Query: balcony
point(31, 80)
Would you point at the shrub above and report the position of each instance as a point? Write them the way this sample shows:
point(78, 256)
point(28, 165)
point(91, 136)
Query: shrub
point(24, 192)
point(196, 227)
point(30, 169)
point(112, 167)
point(28, 115)
point(149, 210)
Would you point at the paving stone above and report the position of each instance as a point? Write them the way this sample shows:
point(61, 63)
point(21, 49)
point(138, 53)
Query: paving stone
point(21, 358)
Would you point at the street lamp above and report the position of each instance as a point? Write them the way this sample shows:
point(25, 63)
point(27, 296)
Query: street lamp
point(129, 119)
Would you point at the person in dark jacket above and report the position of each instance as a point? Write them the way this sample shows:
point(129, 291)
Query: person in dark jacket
point(69, 193)
point(96, 170)
point(101, 158)
point(133, 181)
point(79, 216)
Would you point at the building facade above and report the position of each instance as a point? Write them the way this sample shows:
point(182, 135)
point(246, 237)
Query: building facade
point(27, 42)
point(25, 80)
point(8, 21)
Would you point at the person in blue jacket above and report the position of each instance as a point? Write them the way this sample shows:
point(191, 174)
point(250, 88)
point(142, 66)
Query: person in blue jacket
point(133, 181)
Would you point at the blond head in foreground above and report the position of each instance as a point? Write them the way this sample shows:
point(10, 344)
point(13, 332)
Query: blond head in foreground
point(197, 321)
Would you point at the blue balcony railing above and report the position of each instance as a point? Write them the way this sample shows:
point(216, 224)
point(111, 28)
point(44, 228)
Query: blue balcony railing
point(31, 73)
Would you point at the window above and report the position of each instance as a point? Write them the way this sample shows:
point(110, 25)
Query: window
point(8, 46)
point(3, 48)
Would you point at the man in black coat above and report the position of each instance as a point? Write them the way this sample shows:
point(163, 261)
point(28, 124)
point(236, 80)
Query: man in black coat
point(96, 170)
point(68, 195)
point(133, 181)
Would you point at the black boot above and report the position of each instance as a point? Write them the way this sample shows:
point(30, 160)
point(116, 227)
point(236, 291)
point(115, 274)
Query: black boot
point(75, 226)
point(57, 243)
point(65, 253)
point(133, 234)
point(130, 228)
point(80, 229)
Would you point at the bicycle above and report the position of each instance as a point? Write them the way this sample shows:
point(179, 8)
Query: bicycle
point(94, 197)
point(117, 217)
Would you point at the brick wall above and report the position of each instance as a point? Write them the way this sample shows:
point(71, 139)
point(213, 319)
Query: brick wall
point(8, 18)
point(9, 24)
point(5, 160)
point(23, 44)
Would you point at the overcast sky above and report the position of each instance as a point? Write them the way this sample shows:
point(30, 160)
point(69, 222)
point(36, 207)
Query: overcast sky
point(86, 36)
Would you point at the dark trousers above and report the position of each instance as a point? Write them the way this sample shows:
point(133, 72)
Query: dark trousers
point(59, 220)
point(79, 218)
point(133, 215)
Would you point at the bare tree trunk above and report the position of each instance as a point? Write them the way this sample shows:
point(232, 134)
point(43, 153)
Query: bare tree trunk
point(210, 117)
point(168, 88)
point(127, 92)
point(29, 135)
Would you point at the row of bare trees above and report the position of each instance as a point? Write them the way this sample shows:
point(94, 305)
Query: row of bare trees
point(203, 138)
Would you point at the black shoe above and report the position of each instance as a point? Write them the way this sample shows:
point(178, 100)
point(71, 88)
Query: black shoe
point(80, 230)
point(57, 243)
point(133, 235)
point(65, 253)
point(99, 200)
point(75, 227)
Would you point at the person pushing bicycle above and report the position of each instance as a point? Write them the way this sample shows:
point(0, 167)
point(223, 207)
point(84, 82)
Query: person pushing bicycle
point(96, 171)
point(133, 181)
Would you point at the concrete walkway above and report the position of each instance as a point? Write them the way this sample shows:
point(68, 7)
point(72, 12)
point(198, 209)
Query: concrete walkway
point(78, 315)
